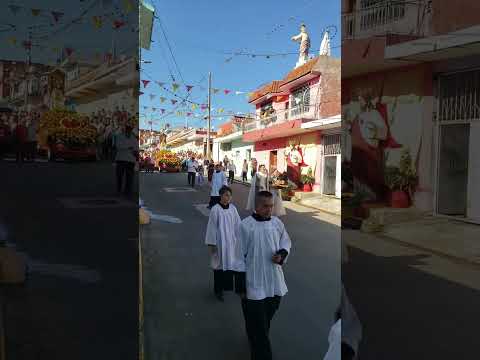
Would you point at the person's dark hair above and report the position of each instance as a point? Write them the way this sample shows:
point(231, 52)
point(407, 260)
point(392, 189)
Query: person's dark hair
point(225, 189)
point(262, 195)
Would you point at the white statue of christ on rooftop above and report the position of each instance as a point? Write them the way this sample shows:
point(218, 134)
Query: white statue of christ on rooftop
point(304, 41)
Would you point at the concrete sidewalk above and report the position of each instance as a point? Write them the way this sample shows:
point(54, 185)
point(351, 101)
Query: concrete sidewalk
point(311, 200)
point(445, 237)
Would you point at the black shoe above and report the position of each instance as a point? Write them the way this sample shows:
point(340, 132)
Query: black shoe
point(219, 297)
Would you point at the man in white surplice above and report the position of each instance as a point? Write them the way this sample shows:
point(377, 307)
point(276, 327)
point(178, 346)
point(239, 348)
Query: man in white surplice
point(261, 181)
point(218, 180)
point(263, 247)
point(221, 238)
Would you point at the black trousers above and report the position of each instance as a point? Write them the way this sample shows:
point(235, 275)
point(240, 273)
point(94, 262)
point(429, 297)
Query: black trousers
point(231, 176)
point(20, 151)
point(125, 169)
point(227, 280)
point(258, 315)
point(214, 200)
point(191, 178)
point(244, 176)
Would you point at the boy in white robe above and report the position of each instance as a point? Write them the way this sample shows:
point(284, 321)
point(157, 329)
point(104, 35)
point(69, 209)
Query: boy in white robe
point(263, 246)
point(221, 238)
point(218, 180)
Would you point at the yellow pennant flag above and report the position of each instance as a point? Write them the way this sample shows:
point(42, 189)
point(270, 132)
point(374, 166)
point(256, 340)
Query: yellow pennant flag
point(12, 41)
point(175, 86)
point(194, 106)
point(97, 22)
point(35, 12)
point(128, 6)
point(220, 110)
point(162, 99)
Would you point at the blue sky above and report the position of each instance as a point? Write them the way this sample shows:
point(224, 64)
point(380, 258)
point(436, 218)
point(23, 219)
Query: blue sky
point(82, 36)
point(200, 32)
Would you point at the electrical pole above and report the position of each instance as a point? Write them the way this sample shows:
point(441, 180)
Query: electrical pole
point(209, 114)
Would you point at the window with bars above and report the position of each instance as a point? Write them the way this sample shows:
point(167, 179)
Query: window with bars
point(459, 96)
point(300, 100)
point(331, 144)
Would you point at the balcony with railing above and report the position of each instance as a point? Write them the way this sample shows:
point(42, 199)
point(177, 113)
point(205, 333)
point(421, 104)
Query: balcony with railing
point(389, 16)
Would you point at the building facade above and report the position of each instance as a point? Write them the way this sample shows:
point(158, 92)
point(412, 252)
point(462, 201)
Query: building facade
point(409, 83)
point(229, 143)
point(297, 126)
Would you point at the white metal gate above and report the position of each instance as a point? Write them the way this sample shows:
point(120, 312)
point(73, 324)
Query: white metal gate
point(458, 135)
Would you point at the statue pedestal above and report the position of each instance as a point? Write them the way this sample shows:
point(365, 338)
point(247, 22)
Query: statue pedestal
point(300, 62)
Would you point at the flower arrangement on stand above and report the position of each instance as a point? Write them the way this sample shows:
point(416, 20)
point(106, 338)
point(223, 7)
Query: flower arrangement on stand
point(167, 160)
point(66, 127)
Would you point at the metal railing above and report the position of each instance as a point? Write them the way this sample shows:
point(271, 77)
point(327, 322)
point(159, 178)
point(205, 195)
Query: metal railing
point(389, 16)
point(296, 111)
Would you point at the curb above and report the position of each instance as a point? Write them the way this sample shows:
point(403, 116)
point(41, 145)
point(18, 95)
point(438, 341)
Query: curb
point(439, 253)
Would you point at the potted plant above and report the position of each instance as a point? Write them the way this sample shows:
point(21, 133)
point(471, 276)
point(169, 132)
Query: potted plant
point(402, 181)
point(287, 193)
point(308, 180)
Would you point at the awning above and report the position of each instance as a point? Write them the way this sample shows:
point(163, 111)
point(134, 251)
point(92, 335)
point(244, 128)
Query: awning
point(324, 124)
point(456, 44)
point(288, 128)
point(229, 138)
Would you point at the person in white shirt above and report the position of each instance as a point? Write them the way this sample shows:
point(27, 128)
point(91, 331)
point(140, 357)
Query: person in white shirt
point(231, 171)
point(221, 238)
point(263, 247)
point(218, 180)
point(192, 166)
point(125, 158)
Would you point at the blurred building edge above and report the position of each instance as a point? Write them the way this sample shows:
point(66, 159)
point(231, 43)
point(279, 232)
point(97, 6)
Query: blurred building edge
point(410, 83)
point(147, 15)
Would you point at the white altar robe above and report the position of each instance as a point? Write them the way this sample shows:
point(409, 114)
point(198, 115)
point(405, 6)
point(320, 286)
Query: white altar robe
point(261, 182)
point(222, 230)
point(258, 241)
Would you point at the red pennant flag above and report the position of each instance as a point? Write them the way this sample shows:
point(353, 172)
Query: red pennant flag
point(68, 51)
point(108, 57)
point(56, 15)
point(204, 107)
point(226, 91)
point(174, 102)
point(189, 88)
point(162, 110)
point(117, 24)
point(189, 114)
point(145, 83)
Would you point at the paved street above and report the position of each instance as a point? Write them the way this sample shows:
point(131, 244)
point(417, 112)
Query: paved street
point(80, 300)
point(412, 304)
point(184, 321)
